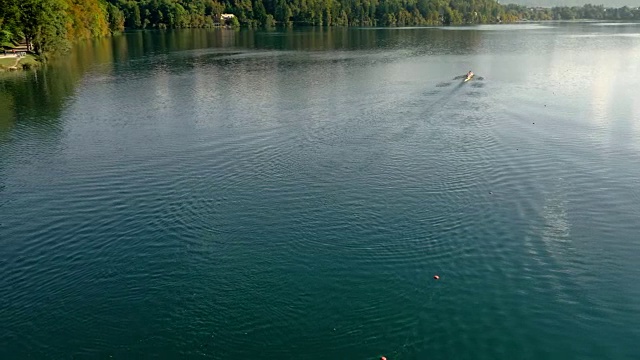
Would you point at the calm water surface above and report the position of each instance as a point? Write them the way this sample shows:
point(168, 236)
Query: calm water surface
point(290, 195)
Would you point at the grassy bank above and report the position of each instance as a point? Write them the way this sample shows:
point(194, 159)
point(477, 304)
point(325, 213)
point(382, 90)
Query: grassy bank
point(23, 63)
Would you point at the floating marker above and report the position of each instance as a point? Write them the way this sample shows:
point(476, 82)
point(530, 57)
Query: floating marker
point(436, 277)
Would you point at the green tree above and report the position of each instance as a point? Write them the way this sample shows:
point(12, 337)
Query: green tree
point(9, 14)
point(116, 18)
point(44, 24)
point(259, 12)
point(235, 23)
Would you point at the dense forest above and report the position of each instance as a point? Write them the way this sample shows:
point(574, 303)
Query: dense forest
point(591, 12)
point(52, 24)
point(571, 3)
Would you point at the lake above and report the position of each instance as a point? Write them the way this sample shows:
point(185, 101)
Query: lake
point(292, 194)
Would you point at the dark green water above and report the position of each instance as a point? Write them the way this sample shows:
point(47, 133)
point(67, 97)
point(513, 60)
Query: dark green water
point(290, 195)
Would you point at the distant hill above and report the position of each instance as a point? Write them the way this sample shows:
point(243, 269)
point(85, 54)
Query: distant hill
point(551, 3)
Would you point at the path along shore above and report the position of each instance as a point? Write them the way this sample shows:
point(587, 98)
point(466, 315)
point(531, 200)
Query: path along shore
point(17, 52)
point(13, 51)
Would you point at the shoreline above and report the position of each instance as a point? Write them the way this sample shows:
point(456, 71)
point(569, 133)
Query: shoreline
point(26, 61)
point(21, 54)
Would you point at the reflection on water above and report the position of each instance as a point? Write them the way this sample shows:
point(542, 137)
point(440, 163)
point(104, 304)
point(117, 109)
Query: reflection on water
point(502, 27)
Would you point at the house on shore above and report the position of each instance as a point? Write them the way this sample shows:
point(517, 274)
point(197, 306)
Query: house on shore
point(225, 17)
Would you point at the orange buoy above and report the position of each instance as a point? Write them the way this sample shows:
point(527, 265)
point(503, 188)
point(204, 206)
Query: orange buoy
point(436, 277)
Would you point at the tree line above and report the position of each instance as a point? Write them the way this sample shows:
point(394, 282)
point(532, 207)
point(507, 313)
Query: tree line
point(269, 13)
point(588, 11)
point(48, 25)
point(51, 24)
